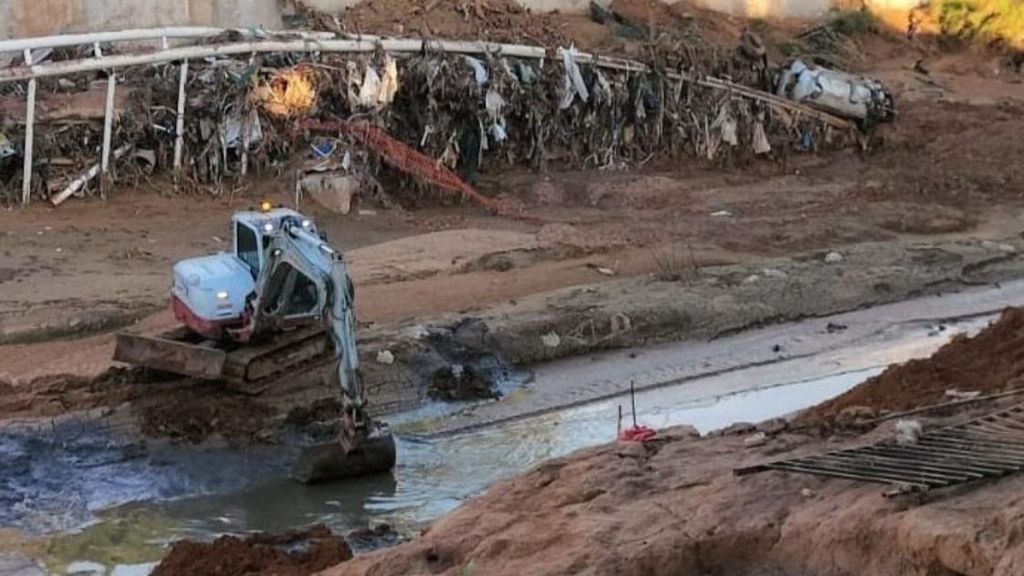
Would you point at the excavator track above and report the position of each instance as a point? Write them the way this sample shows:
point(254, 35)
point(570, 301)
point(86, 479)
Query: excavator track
point(248, 369)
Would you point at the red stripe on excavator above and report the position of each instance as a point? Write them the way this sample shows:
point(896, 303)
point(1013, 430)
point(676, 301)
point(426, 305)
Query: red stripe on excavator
point(212, 329)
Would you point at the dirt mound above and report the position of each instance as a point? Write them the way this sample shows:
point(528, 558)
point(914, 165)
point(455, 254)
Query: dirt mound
point(199, 411)
point(289, 554)
point(624, 28)
point(990, 362)
point(496, 20)
point(674, 507)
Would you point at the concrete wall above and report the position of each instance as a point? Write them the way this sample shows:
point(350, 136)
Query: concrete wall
point(770, 8)
point(21, 18)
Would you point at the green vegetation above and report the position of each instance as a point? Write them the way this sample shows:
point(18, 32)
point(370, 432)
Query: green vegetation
point(854, 22)
point(985, 20)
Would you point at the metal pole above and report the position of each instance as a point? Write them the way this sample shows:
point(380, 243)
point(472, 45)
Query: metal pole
point(179, 129)
point(245, 144)
point(19, 44)
point(30, 119)
point(108, 123)
point(632, 401)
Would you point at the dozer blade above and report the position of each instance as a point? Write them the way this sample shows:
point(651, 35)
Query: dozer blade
point(168, 353)
point(329, 461)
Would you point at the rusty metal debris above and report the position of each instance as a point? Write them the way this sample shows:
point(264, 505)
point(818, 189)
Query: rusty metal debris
point(991, 446)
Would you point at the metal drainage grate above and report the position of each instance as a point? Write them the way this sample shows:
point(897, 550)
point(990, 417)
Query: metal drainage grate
point(987, 447)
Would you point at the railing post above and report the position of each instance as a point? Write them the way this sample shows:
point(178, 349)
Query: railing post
point(108, 123)
point(245, 126)
point(179, 129)
point(30, 119)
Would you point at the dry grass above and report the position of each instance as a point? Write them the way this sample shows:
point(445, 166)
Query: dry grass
point(674, 263)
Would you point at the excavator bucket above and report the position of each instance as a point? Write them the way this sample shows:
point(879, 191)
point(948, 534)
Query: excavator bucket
point(170, 352)
point(330, 461)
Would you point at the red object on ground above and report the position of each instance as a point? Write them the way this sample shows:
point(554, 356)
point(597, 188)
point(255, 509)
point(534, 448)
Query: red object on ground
point(637, 434)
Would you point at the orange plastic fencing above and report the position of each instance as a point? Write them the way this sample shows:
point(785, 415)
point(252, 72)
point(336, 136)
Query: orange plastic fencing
point(400, 156)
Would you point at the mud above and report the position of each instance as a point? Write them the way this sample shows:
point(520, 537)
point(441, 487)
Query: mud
point(200, 411)
point(711, 303)
point(58, 394)
point(297, 553)
point(988, 363)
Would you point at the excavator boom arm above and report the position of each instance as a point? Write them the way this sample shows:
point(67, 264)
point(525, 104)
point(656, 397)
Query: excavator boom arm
point(301, 267)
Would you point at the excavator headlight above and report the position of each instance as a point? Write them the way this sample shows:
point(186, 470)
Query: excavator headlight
point(222, 295)
point(306, 223)
point(268, 227)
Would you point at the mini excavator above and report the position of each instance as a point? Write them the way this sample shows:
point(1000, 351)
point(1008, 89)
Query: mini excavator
point(281, 301)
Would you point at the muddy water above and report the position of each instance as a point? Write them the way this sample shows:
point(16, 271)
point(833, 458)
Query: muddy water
point(432, 478)
point(434, 473)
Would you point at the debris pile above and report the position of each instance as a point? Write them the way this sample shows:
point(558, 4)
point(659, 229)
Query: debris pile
point(991, 362)
point(463, 108)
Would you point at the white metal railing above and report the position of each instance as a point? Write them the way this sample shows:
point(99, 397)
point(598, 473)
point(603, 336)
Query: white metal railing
point(26, 46)
point(259, 41)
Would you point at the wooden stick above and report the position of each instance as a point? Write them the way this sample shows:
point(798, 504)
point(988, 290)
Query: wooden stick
point(78, 183)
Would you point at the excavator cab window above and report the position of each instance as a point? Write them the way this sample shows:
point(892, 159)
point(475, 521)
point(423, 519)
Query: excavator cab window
point(292, 292)
point(247, 247)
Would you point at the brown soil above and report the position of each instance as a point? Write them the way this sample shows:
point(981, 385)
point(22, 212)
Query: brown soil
point(196, 411)
point(634, 23)
point(496, 20)
point(673, 506)
point(56, 394)
point(290, 554)
point(992, 361)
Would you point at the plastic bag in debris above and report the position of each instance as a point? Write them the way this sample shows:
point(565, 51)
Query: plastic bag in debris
point(526, 73)
point(574, 84)
point(726, 123)
point(479, 71)
point(352, 83)
point(374, 91)
point(389, 83)
point(602, 89)
point(231, 130)
point(760, 140)
point(369, 91)
point(6, 148)
point(494, 104)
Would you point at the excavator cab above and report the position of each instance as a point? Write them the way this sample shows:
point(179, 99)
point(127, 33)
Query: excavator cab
point(214, 296)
